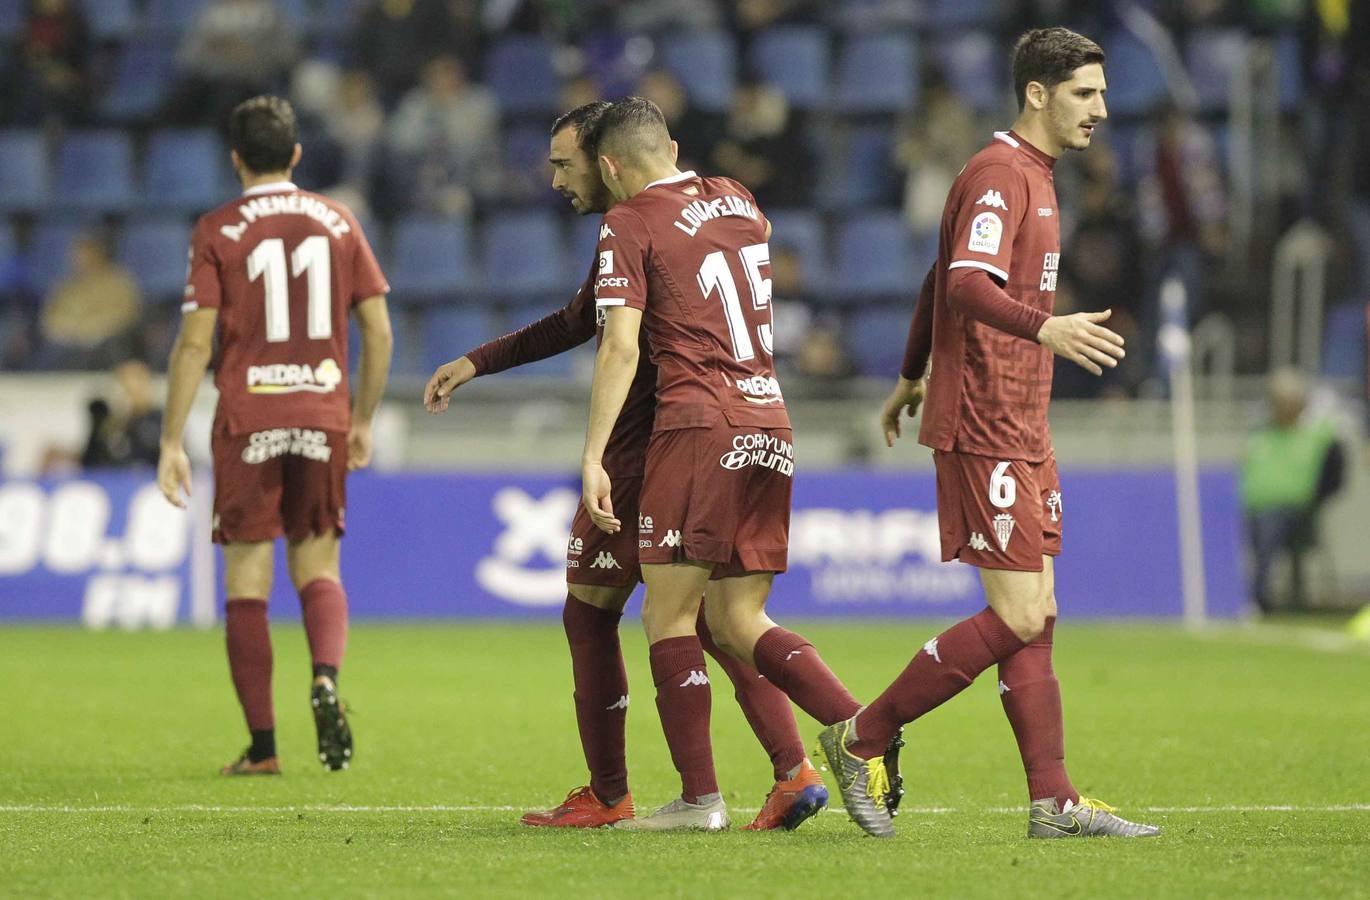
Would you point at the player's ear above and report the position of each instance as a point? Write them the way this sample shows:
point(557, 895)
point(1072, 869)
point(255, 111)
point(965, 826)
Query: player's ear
point(1037, 94)
point(675, 152)
point(295, 156)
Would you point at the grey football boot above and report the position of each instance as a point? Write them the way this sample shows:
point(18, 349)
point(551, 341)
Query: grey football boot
point(1088, 818)
point(680, 815)
point(864, 783)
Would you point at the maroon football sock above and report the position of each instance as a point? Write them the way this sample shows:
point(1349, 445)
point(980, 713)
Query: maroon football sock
point(793, 665)
point(324, 604)
point(940, 671)
point(601, 694)
point(766, 707)
point(684, 701)
point(1032, 701)
point(249, 660)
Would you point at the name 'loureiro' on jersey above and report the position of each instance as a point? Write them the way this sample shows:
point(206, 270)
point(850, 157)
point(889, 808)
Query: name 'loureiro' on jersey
point(691, 253)
point(284, 267)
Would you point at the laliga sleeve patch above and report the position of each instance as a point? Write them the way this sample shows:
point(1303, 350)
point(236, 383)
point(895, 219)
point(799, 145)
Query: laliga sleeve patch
point(985, 234)
point(606, 262)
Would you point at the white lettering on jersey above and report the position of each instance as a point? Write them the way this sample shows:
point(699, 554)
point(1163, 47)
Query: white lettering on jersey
point(1050, 266)
point(700, 211)
point(233, 232)
point(294, 204)
point(993, 198)
point(287, 378)
point(985, 234)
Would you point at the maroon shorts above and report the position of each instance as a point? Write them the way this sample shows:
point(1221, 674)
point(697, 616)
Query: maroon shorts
point(998, 514)
point(282, 481)
point(606, 560)
point(718, 495)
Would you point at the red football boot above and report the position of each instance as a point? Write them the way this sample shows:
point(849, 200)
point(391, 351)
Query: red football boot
point(581, 809)
point(792, 801)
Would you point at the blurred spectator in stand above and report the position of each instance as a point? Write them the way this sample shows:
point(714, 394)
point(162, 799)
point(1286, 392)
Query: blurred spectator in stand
point(125, 430)
point(932, 145)
point(656, 16)
point(89, 316)
point(790, 310)
point(395, 39)
point(1292, 466)
point(752, 16)
point(696, 131)
point(234, 50)
point(764, 147)
point(46, 76)
point(445, 142)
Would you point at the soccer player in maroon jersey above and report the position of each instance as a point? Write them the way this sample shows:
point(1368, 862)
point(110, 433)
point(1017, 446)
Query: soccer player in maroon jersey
point(602, 569)
point(985, 319)
point(278, 271)
point(685, 259)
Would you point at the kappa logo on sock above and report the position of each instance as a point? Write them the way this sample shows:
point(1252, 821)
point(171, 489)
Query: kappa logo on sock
point(792, 653)
point(1003, 688)
point(621, 703)
point(930, 648)
point(696, 679)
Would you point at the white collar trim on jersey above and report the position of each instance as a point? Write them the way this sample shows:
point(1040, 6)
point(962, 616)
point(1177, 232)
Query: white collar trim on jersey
point(683, 176)
point(274, 187)
point(1006, 138)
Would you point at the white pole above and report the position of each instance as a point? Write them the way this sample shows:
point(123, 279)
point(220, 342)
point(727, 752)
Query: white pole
point(1175, 343)
point(203, 606)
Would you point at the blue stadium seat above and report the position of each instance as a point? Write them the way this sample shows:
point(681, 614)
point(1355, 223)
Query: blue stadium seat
point(111, 20)
point(794, 60)
point(49, 249)
point(11, 18)
point(801, 232)
point(705, 62)
point(877, 74)
point(524, 253)
point(450, 331)
point(173, 16)
point(430, 259)
point(978, 14)
point(23, 171)
point(861, 171)
point(184, 169)
point(1136, 83)
point(975, 69)
point(409, 328)
point(298, 14)
point(560, 366)
point(1290, 71)
point(1343, 342)
point(154, 251)
point(876, 337)
point(874, 258)
point(142, 77)
point(337, 16)
point(1211, 56)
point(584, 240)
point(95, 171)
point(519, 71)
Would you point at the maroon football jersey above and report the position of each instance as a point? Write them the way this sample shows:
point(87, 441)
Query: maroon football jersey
point(284, 268)
point(988, 390)
point(575, 323)
point(691, 253)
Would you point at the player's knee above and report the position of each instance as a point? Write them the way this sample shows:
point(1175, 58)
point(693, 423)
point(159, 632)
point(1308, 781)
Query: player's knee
point(1026, 621)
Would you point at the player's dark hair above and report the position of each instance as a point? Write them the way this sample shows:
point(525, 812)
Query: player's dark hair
point(1048, 56)
point(630, 124)
point(263, 132)
point(583, 119)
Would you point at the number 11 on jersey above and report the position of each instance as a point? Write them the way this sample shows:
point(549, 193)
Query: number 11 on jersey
point(310, 258)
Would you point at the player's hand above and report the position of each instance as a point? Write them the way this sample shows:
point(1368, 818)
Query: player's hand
point(358, 446)
point(1081, 339)
point(173, 474)
point(595, 495)
point(906, 395)
point(438, 393)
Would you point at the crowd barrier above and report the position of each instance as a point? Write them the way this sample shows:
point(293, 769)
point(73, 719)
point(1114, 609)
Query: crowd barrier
point(107, 550)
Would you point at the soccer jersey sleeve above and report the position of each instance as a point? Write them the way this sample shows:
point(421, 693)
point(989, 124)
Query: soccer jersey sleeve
point(367, 278)
point(202, 289)
point(994, 201)
point(621, 278)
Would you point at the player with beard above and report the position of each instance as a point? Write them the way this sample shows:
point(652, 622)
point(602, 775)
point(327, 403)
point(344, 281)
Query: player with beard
point(602, 569)
point(985, 319)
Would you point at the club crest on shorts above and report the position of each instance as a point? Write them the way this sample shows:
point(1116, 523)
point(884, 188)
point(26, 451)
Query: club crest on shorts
point(1003, 529)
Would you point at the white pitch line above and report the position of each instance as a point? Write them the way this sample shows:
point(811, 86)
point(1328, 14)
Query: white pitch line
point(438, 808)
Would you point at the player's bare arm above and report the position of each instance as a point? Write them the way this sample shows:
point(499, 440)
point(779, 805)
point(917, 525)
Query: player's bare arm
point(906, 396)
point(615, 364)
point(1080, 338)
point(373, 320)
point(437, 395)
point(189, 360)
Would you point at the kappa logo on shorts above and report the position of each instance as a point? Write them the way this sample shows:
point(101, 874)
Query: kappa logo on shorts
point(672, 539)
point(977, 541)
point(1003, 529)
point(1054, 504)
point(605, 560)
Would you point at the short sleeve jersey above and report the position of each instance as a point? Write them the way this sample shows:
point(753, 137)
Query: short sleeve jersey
point(691, 253)
point(283, 267)
point(988, 390)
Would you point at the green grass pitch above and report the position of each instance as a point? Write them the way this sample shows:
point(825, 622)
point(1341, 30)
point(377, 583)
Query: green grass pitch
point(112, 741)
